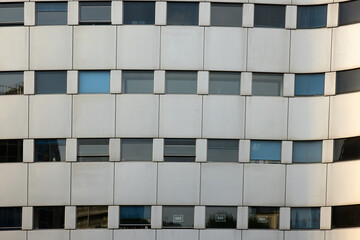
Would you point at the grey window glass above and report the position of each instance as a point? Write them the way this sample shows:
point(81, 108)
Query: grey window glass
point(48, 217)
point(348, 81)
point(181, 82)
point(226, 14)
point(93, 150)
point(345, 216)
point(307, 152)
point(50, 82)
point(178, 217)
point(95, 13)
point(311, 16)
point(346, 149)
point(138, 81)
point(179, 150)
point(11, 83)
point(51, 13)
point(221, 217)
point(135, 217)
point(263, 217)
point(136, 149)
point(267, 84)
point(349, 12)
point(182, 13)
point(139, 12)
point(11, 150)
point(11, 14)
point(226, 83)
point(92, 216)
point(10, 218)
point(305, 218)
point(271, 16)
point(222, 150)
point(50, 150)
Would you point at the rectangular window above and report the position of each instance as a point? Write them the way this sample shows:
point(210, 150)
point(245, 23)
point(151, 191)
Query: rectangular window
point(346, 149)
point(138, 81)
point(305, 218)
point(135, 217)
point(182, 13)
point(263, 217)
point(181, 82)
point(11, 150)
point(48, 217)
point(94, 81)
point(309, 84)
point(179, 150)
point(265, 151)
point(92, 216)
point(178, 217)
point(11, 14)
point(345, 216)
point(349, 12)
point(136, 149)
point(269, 16)
point(222, 150)
point(50, 150)
point(51, 13)
point(226, 14)
point(307, 152)
point(311, 16)
point(50, 82)
point(225, 83)
point(221, 217)
point(95, 13)
point(348, 81)
point(267, 84)
point(93, 150)
point(139, 13)
point(11, 83)
point(10, 218)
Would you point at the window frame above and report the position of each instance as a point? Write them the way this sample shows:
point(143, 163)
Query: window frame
point(38, 4)
point(12, 22)
point(94, 21)
point(222, 149)
point(309, 8)
point(98, 157)
point(19, 87)
point(141, 224)
point(252, 216)
point(229, 6)
point(231, 78)
point(179, 157)
point(43, 82)
point(191, 83)
point(260, 160)
point(317, 218)
point(126, 77)
point(89, 216)
point(227, 211)
point(270, 25)
point(309, 79)
point(125, 3)
point(132, 142)
point(52, 210)
point(19, 153)
point(181, 214)
point(178, 22)
point(15, 214)
point(267, 78)
point(87, 78)
point(308, 151)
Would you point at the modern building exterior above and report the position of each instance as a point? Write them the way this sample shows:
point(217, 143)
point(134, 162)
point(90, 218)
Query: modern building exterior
point(233, 120)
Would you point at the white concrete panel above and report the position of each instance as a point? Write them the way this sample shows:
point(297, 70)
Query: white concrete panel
point(114, 150)
point(343, 234)
point(246, 83)
point(48, 234)
point(14, 48)
point(325, 218)
point(272, 1)
point(28, 148)
point(160, 13)
point(289, 85)
point(248, 15)
point(158, 150)
point(177, 234)
point(116, 12)
point(284, 218)
point(72, 82)
point(49, 184)
point(156, 217)
point(262, 234)
point(13, 235)
point(264, 184)
point(244, 151)
point(182, 47)
point(286, 151)
point(304, 235)
point(13, 184)
point(92, 183)
point(311, 2)
point(135, 183)
point(201, 150)
point(327, 151)
point(14, 117)
point(204, 13)
point(291, 17)
point(268, 50)
point(159, 82)
point(94, 115)
point(113, 217)
point(73, 13)
point(29, 82)
point(221, 184)
point(225, 48)
point(138, 47)
point(310, 50)
point(224, 117)
point(29, 13)
point(178, 183)
point(266, 118)
point(199, 217)
point(27, 218)
point(180, 116)
point(216, 234)
point(91, 234)
point(50, 47)
point(242, 218)
point(137, 115)
point(70, 217)
point(332, 15)
point(50, 116)
point(94, 47)
point(330, 83)
point(115, 81)
point(203, 82)
point(71, 150)
point(308, 118)
point(130, 234)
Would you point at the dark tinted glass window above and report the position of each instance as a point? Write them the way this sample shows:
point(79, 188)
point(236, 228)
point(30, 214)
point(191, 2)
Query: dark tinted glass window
point(226, 14)
point(178, 217)
point(50, 150)
point(11, 83)
point(226, 83)
point(48, 217)
point(92, 216)
point(267, 84)
point(221, 217)
point(264, 217)
point(346, 149)
point(51, 13)
point(222, 150)
point(11, 14)
point(139, 12)
point(50, 82)
point(182, 13)
point(93, 150)
point(10, 218)
point(349, 12)
point(95, 13)
point(181, 82)
point(307, 152)
point(136, 149)
point(305, 218)
point(348, 81)
point(309, 84)
point(179, 150)
point(311, 16)
point(272, 16)
point(11, 150)
point(132, 217)
point(138, 81)
point(345, 216)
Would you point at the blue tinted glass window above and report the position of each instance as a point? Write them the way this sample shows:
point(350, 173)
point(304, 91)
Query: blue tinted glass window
point(135, 216)
point(180, 13)
point(309, 84)
point(139, 12)
point(311, 16)
point(94, 81)
point(51, 13)
point(305, 218)
point(265, 150)
point(307, 151)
